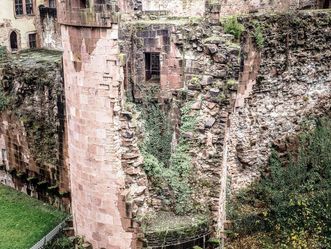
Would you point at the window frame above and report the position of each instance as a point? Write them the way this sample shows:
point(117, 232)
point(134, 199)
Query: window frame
point(31, 4)
point(152, 70)
point(21, 4)
point(24, 7)
point(32, 41)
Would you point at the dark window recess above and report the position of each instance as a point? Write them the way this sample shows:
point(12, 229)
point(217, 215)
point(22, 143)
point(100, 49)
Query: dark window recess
point(13, 41)
point(52, 4)
point(152, 66)
point(19, 7)
point(32, 40)
point(84, 4)
point(29, 7)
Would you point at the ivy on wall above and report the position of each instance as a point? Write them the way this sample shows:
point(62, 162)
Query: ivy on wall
point(168, 170)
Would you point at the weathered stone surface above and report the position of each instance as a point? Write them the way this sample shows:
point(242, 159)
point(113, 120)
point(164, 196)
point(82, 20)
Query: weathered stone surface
point(32, 127)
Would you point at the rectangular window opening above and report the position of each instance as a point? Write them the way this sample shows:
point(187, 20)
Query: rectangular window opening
point(33, 40)
point(29, 7)
point(152, 67)
point(19, 7)
point(84, 4)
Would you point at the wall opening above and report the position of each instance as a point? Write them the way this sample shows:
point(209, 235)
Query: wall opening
point(33, 40)
point(84, 4)
point(13, 41)
point(152, 67)
point(19, 7)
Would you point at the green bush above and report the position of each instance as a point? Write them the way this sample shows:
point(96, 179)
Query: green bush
point(233, 27)
point(292, 201)
point(258, 35)
point(160, 164)
point(4, 101)
point(61, 242)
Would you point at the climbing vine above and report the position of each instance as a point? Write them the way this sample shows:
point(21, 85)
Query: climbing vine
point(169, 170)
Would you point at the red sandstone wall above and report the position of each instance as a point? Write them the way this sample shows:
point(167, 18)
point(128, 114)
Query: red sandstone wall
point(93, 77)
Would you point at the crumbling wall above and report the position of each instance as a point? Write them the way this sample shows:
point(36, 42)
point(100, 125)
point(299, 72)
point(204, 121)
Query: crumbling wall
point(138, 38)
point(32, 127)
point(239, 94)
point(103, 155)
point(290, 84)
point(207, 65)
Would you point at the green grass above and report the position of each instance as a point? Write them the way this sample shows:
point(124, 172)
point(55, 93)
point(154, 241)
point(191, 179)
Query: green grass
point(24, 220)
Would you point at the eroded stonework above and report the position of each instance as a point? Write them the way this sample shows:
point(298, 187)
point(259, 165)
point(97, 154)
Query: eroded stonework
point(33, 139)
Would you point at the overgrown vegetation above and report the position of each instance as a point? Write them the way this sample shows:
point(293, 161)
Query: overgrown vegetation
point(290, 207)
point(169, 170)
point(233, 27)
point(24, 220)
point(3, 52)
point(4, 100)
point(258, 34)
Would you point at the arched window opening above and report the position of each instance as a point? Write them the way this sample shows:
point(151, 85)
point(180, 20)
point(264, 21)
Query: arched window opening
point(13, 41)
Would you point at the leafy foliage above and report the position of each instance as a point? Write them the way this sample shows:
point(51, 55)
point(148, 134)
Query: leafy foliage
point(168, 170)
point(233, 27)
point(258, 34)
point(4, 100)
point(292, 202)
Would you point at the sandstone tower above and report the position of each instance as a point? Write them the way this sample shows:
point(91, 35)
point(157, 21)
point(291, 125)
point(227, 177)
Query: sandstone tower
point(94, 79)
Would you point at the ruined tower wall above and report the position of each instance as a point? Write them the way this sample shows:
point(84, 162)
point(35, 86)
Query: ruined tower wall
point(283, 84)
point(32, 127)
point(93, 85)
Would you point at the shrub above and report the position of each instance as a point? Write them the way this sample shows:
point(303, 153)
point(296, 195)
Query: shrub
point(258, 35)
point(163, 166)
point(233, 27)
point(4, 101)
point(294, 198)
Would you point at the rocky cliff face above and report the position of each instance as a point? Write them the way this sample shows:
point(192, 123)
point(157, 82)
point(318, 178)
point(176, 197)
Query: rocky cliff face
point(32, 126)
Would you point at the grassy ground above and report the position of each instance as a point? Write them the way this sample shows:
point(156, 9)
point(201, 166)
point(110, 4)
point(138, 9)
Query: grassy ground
point(24, 220)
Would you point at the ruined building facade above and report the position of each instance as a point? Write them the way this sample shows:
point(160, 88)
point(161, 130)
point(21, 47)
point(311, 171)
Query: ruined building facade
point(114, 53)
point(28, 24)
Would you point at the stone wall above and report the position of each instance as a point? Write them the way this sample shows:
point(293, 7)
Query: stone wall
point(101, 139)
point(240, 94)
point(138, 38)
point(290, 83)
point(32, 125)
point(207, 68)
